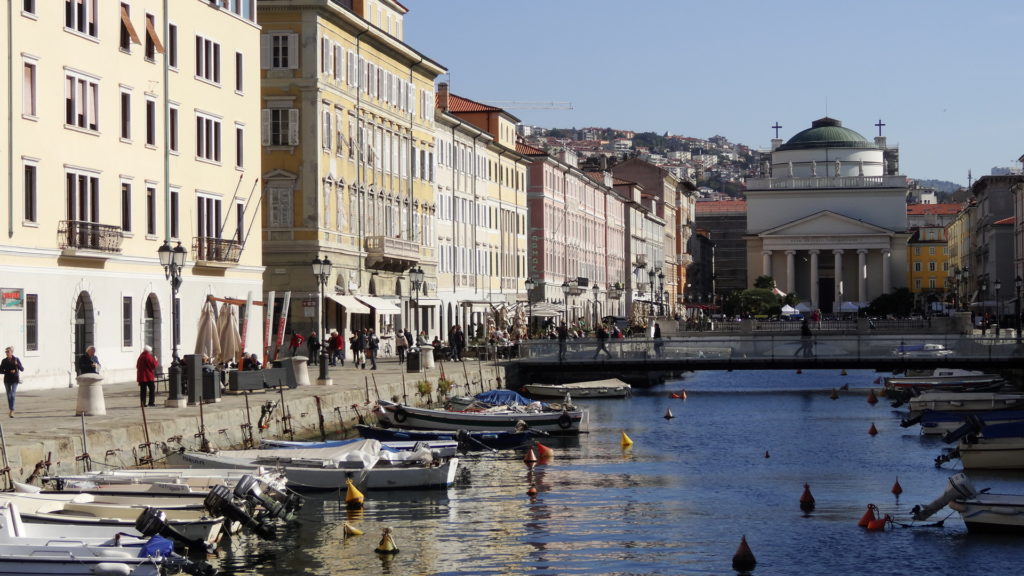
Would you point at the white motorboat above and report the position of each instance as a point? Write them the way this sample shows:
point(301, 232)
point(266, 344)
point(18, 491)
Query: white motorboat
point(987, 446)
point(363, 461)
point(926, 350)
point(498, 418)
point(445, 448)
point(981, 511)
point(161, 481)
point(609, 388)
point(963, 401)
point(942, 378)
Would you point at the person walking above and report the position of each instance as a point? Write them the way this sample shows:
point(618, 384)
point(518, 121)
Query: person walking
point(88, 363)
point(331, 344)
point(563, 340)
point(145, 375)
point(372, 345)
point(458, 343)
point(12, 369)
point(806, 340)
point(400, 345)
point(659, 344)
point(297, 341)
point(602, 342)
point(313, 347)
point(338, 351)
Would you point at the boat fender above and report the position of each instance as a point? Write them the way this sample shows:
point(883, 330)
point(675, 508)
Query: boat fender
point(401, 415)
point(564, 421)
point(111, 569)
point(111, 553)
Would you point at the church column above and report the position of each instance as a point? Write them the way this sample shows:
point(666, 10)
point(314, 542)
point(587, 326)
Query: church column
point(814, 279)
point(837, 293)
point(862, 275)
point(886, 263)
point(766, 262)
point(790, 271)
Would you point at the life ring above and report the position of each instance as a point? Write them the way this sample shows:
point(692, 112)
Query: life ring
point(401, 414)
point(564, 421)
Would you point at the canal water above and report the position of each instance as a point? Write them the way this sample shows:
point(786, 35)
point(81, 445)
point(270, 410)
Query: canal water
point(731, 463)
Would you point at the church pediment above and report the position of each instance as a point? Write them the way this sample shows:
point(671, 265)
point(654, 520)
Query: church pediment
point(825, 223)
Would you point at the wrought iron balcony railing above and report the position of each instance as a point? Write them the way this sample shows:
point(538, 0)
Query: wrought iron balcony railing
point(79, 235)
point(387, 253)
point(216, 249)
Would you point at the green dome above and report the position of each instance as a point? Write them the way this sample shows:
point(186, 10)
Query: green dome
point(826, 133)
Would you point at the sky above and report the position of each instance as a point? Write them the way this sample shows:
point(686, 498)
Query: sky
point(944, 76)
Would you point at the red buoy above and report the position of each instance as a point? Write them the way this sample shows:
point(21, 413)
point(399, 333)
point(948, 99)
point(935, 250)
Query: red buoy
point(743, 560)
point(799, 371)
point(530, 457)
point(669, 415)
point(878, 524)
point(872, 399)
point(897, 489)
point(532, 491)
point(868, 516)
point(544, 451)
point(807, 500)
point(872, 430)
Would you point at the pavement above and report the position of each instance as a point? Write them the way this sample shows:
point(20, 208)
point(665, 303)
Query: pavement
point(45, 427)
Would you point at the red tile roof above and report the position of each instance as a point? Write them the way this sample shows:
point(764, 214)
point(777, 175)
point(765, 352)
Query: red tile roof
point(526, 149)
point(950, 209)
point(460, 104)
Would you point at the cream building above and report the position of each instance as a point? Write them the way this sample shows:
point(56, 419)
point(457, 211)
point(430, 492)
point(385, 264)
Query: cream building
point(126, 125)
point(830, 224)
point(348, 161)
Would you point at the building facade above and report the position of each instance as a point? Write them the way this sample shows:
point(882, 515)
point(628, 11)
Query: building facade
point(130, 125)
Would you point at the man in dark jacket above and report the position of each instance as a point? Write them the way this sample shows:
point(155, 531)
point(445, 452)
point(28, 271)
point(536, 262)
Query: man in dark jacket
point(313, 346)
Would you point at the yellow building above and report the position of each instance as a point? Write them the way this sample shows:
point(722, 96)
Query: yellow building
point(928, 259)
point(348, 160)
point(126, 125)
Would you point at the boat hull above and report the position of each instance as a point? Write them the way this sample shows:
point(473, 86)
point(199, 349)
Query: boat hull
point(493, 440)
point(408, 417)
point(992, 512)
point(992, 454)
point(577, 391)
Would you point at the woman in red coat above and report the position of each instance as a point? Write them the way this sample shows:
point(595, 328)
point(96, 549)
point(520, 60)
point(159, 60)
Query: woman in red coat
point(145, 375)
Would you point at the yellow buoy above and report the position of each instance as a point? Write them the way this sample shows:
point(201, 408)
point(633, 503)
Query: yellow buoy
point(626, 441)
point(387, 542)
point(350, 530)
point(353, 497)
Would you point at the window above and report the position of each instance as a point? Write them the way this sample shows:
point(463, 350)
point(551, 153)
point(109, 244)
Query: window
point(207, 60)
point(83, 196)
point(240, 222)
point(174, 213)
point(279, 51)
point(917, 266)
point(239, 146)
point(128, 34)
point(931, 266)
point(29, 6)
point(280, 127)
point(126, 206)
point(80, 16)
point(31, 190)
point(126, 114)
point(150, 121)
point(28, 95)
point(172, 128)
point(207, 137)
point(326, 131)
point(151, 209)
point(208, 216)
point(931, 250)
point(172, 45)
point(126, 321)
point(280, 207)
point(239, 72)
point(32, 322)
point(917, 251)
point(81, 96)
point(153, 44)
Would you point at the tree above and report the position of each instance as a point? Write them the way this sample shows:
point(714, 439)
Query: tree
point(897, 303)
point(764, 282)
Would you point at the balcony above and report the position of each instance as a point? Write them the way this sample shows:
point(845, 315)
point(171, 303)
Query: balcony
point(216, 251)
point(392, 254)
point(77, 238)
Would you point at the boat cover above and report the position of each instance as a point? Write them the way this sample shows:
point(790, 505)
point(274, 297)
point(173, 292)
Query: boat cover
point(503, 397)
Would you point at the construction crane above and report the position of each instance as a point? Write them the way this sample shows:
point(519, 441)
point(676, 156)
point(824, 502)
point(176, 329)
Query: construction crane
point(526, 105)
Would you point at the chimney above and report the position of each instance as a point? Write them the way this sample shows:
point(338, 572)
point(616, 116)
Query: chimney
point(442, 96)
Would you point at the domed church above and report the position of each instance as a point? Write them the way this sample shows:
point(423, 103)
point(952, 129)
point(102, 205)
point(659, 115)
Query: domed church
point(830, 221)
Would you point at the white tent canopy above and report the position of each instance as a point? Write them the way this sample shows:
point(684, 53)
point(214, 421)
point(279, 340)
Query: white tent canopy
point(788, 310)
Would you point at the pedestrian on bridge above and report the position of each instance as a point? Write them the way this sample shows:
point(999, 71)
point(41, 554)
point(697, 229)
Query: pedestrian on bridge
point(806, 340)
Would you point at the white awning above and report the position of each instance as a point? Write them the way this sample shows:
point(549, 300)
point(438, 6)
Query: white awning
point(427, 302)
point(350, 304)
point(380, 305)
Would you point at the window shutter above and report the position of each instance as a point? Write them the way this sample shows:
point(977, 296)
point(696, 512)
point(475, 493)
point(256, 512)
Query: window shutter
point(414, 162)
point(325, 56)
point(264, 50)
point(293, 127)
point(293, 51)
point(339, 62)
point(265, 126)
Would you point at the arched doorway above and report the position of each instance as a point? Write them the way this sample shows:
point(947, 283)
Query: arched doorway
point(151, 325)
point(84, 326)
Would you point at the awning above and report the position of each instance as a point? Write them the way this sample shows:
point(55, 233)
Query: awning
point(427, 302)
point(475, 303)
point(350, 304)
point(380, 305)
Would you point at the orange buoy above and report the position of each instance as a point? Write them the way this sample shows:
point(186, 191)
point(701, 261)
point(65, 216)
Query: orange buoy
point(532, 491)
point(530, 457)
point(799, 371)
point(834, 395)
point(878, 524)
point(669, 415)
point(868, 517)
point(872, 399)
point(544, 451)
point(806, 499)
point(897, 489)
point(626, 441)
point(872, 430)
point(743, 560)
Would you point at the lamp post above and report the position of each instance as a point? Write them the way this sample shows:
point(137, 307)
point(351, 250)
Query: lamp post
point(614, 293)
point(322, 271)
point(565, 293)
point(530, 285)
point(661, 293)
point(597, 292)
point(999, 307)
point(416, 277)
point(173, 261)
point(1016, 306)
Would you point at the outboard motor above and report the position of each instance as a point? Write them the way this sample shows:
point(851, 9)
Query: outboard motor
point(283, 505)
point(219, 502)
point(970, 428)
point(153, 521)
point(959, 487)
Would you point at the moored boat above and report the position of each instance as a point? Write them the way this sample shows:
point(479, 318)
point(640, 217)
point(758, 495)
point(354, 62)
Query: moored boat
point(445, 447)
point(926, 350)
point(934, 422)
point(963, 401)
point(987, 446)
point(942, 379)
point(982, 511)
point(468, 441)
point(502, 418)
point(609, 388)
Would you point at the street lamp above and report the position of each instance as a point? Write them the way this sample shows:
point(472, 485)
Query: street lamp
point(173, 261)
point(322, 271)
point(416, 277)
point(661, 291)
point(999, 307)
point(530, 285)
point(597, 292)
point(1016, 306)
point(566, 288)
point(614, 292)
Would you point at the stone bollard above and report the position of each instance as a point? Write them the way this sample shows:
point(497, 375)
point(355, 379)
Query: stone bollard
point(90, 396)
point(301, 370)
point(427, 356)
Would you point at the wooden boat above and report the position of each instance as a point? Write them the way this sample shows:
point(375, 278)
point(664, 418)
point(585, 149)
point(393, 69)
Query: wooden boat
point(495, 419)
point(610, 388)
point(982, 511)
point(468, 441)
point(363, 461)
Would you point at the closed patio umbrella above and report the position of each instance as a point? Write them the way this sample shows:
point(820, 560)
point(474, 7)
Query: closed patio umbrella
point(227, 332)
point(207, 338)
